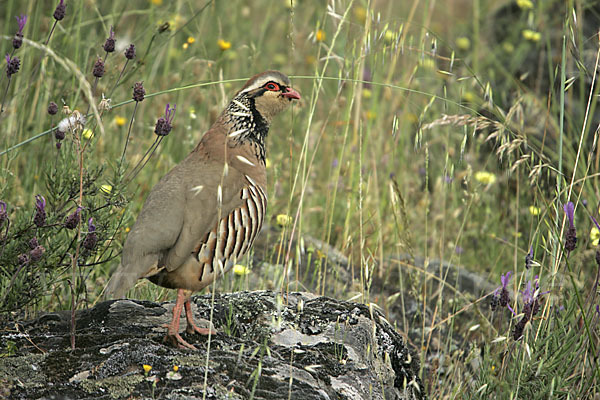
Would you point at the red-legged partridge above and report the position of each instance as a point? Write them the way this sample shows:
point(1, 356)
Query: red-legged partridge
point(206, 212)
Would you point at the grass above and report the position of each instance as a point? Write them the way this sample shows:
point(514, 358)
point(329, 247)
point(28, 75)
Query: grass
point(426, 129)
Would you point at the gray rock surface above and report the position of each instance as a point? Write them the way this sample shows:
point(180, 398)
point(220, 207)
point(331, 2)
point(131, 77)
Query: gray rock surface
point(304, 348)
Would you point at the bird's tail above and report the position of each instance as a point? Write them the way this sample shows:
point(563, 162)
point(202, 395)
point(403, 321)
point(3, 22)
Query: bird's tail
point(120, 282)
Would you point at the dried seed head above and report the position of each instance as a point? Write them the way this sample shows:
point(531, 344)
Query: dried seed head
point(37, 253)
point(60, 11)
point(130, 52)
point(52, 108)
point(98, 70)
point(138, 91)
point(109, 45)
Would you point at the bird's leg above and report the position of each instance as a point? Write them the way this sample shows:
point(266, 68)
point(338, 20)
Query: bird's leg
point(191, 325)
point(173, 327)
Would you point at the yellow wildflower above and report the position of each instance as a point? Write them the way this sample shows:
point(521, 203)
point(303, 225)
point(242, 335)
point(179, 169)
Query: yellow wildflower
point(371, 115)
point(389, 36)
point(147, 368)
point(533, 36)
point(360, 13)
point(284, 220)
point(468, 96)
point(120, 121)
point(240, 270)
point(525, 4)
point(190, 39)
point(127, 229)
point(595, 236)
point(320, 35)
point(508, 47)
point(185, 46)
point(87, 133)
point(106, 189)
point(367, 93)
point(156, 2)
point(487, 178)
point(268, 163)
point(463, 43)
point(223, 44)
point(533, 210)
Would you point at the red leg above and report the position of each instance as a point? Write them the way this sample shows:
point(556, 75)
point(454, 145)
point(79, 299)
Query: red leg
point(173, 327)
point(191, 325)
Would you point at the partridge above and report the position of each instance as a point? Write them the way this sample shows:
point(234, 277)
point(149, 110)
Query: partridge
point(206, 212)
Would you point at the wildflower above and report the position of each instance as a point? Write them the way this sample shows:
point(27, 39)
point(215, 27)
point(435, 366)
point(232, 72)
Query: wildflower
point(98, 70)
point(18, 39)
point(283, 220)
point(571, 236)
point(74, 121)
point(60, 11)
point(533, 210)
point(72, 220)
point(39, 218)
point(59, 135)
point(87, 134)
point(595, 236)
point(120, 121)
point(163, 124)
point(130, 52)
point(147, 368)
point(109, 45)
point(487, 178)
point(36, 253)
point(240, 270)
point(23, 259)
point(223, 44)
point(12, 65)
point(531, 306)
point(3, 213)
point(52, 108)
point(360, 13)
point(501, 296)
point(463, 43)
point(529, 258)
point(320, 35)
point(531, 35)
point(175, 368)
point(106, 189)
point(91, 238)
point(138, 91)
point(525, 4)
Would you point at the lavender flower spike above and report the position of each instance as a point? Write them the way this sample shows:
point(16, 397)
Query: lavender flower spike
point(22, 20)
point(40, 213)
point(163, 124)
point(571, 236)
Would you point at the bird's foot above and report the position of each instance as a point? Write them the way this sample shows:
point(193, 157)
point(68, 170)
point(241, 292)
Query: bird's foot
point(193, 328)
point(178, 341)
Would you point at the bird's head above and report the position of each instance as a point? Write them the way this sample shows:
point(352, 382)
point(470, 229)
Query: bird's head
point(269, 92)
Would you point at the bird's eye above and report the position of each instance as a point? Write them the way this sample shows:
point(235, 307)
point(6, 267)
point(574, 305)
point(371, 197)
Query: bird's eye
point(272, 86)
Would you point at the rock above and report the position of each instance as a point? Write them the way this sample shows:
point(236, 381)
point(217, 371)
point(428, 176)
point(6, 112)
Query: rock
point(307, 348)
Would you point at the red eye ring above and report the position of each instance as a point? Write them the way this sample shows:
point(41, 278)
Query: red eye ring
point(272, 86)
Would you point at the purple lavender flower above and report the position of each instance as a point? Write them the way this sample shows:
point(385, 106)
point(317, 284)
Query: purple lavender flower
point(138, 91)
point(130, 52)
point(91, 238)
point(33, 243)
point(52, 108)
point(501, 296)
point(60, 11)
point(3, 213)
point(12, 65)
point(72, 220)
point(529, 258)
point(23, 259)
point(109, 45)
point(531, 306)
point(163, 124)
point(39, 218)
point(18, 39)
point(571, 236)
point(98, 70)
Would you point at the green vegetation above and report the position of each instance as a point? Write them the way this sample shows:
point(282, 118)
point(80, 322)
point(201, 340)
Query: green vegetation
point(453, 131)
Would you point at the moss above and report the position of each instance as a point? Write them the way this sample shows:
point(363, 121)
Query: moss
point(117, 386)
point(27, 369)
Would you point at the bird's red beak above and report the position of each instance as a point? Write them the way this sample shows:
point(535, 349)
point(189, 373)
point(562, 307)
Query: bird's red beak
point(291, 94)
